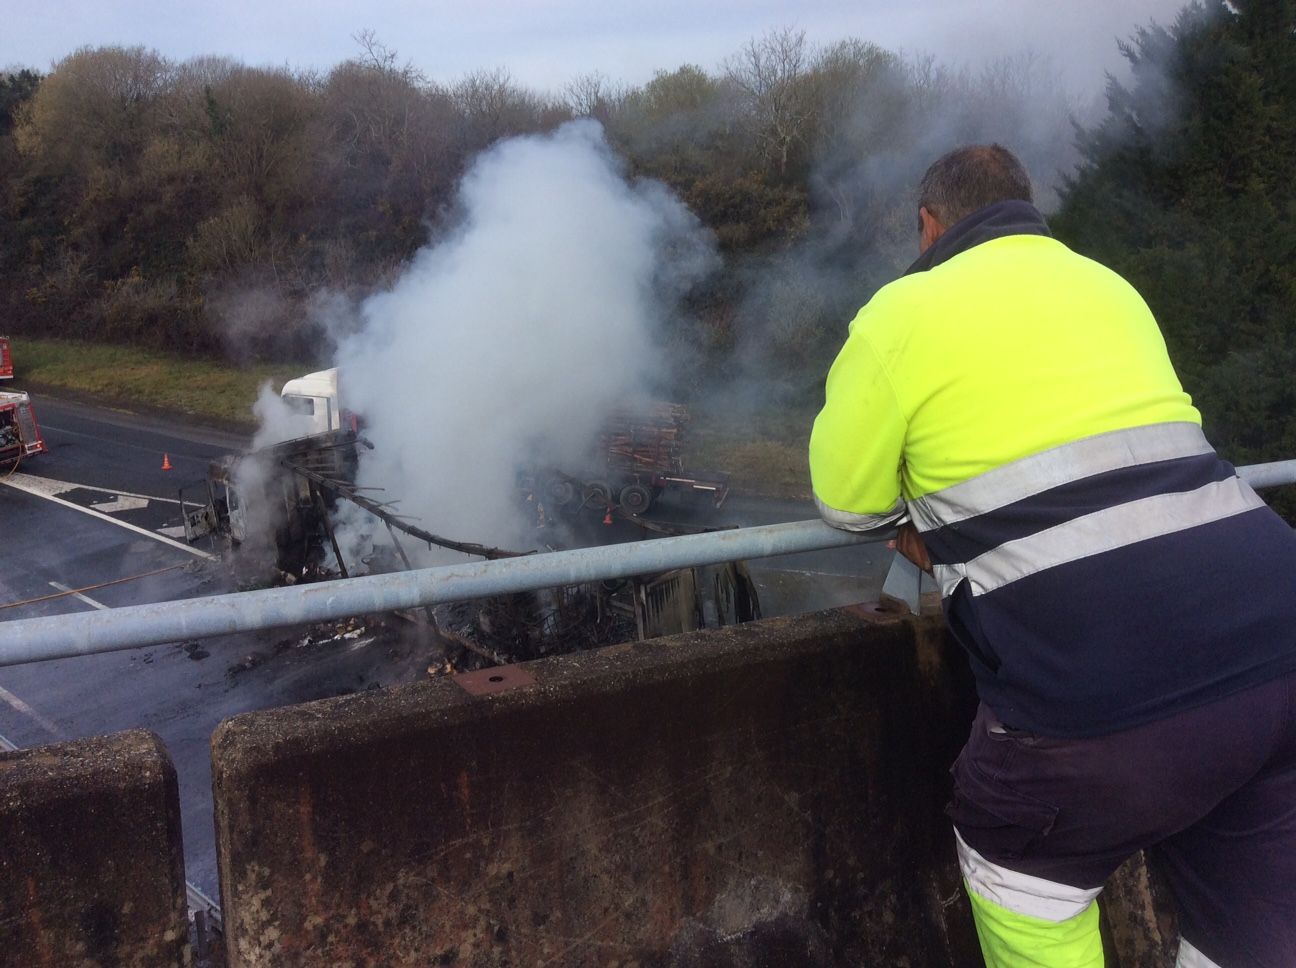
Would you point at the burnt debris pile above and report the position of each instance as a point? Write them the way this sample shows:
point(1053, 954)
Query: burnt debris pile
point(277, 514)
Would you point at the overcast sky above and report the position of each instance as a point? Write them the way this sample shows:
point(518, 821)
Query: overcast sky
point(544, 43)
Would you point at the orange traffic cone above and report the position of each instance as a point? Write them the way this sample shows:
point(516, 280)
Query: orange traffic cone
point(166, 462)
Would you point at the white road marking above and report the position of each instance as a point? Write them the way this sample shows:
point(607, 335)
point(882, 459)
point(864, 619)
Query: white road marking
point(77, 595)
point(122, 503)
point(26, 710)
point(50, 486)
point(23, 482)
point(40, 486)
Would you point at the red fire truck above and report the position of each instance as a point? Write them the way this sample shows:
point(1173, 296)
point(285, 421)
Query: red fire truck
point(20, 435)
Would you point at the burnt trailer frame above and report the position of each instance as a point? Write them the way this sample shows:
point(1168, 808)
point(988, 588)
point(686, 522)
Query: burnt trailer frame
point(639, 457)
point(308, 478)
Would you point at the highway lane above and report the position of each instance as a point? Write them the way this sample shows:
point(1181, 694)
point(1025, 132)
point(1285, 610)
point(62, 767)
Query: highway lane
point(120, 450)
point(183, 691)
point(180, 691)
point(787, 585)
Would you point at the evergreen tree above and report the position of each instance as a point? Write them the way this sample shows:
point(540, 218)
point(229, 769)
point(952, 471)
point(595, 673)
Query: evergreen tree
point(16, 87)
point(1188, 189)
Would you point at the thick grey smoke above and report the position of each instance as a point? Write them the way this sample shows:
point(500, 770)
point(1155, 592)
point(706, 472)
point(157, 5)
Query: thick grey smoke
point(889, 119)
point(508, 341)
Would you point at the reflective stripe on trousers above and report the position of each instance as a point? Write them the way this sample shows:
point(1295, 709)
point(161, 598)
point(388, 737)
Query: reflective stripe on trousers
point(1029, 922)
point(1190, 957)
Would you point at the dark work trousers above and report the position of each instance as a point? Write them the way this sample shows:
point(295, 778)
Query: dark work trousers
point(1212, 790)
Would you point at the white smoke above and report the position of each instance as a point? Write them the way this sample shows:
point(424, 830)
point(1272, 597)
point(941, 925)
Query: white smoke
point(258, 479)
point(276, 421)
point(508, 341)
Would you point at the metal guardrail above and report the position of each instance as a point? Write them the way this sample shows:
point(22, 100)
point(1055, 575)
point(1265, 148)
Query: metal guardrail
point(1273, 474)
point(62, 636)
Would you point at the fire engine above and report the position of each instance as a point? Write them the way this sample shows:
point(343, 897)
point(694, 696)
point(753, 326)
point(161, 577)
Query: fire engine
point(20, 435)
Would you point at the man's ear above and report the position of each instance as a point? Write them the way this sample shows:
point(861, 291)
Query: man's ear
point(929, 229)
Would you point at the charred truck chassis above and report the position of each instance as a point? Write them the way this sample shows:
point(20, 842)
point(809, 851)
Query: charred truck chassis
point(296, 487)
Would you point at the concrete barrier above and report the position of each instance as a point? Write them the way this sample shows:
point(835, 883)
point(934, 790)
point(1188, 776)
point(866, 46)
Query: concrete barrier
point(91, 866)
point(769, 794)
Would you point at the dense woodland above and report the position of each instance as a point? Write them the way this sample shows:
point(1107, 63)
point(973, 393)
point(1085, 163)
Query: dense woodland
point(175, 205)
point(1188, 188)
point(217, 208)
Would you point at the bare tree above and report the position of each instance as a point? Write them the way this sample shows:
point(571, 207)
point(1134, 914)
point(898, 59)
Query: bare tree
point(261, 120)
point(388, 135)
point(494, 106)
point(382, 58)
point(770, 72)
point(593, 96)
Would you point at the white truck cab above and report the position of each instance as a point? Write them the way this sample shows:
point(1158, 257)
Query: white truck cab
point(315, 398)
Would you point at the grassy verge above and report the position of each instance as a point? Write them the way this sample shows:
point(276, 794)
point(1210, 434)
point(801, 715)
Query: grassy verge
point(765, 455)
point(127, 376)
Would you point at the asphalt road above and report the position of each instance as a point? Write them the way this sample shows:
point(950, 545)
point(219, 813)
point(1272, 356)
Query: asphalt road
point(182, 691)
point(98, 516)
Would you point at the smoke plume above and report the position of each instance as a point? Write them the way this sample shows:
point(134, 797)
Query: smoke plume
point(888, 120)
point(507, 342)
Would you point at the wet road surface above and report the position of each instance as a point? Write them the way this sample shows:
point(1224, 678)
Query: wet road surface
point(95, 523)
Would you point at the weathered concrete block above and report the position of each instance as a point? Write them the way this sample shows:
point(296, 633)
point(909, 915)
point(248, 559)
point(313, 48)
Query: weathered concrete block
point(766, 795)
point(772, 790)
point(91, 865)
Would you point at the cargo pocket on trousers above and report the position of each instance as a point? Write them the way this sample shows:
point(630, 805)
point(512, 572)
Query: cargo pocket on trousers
point(994, 818)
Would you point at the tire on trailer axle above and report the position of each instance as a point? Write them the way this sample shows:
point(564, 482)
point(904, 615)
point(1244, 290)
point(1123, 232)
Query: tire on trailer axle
point(561, 491)
point(597, 494)
point(635, 498)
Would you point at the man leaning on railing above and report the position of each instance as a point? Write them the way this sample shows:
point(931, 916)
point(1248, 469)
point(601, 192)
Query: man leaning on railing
point(1127, 603)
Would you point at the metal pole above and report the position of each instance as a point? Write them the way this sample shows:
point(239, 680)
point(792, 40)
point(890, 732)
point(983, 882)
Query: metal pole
point(1273, 474)
point(61, 636)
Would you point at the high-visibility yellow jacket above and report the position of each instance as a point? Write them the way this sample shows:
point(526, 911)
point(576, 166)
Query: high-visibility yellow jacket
point(1017, 402)
point(1015, 346)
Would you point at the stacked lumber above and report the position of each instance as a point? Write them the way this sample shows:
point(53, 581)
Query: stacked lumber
point(646, 441)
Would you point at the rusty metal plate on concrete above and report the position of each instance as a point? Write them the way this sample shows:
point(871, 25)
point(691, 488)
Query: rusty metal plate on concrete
point(484, 682)
point(887, 610)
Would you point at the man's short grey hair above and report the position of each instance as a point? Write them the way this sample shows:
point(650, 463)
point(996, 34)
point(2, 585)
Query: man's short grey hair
point(970, 178)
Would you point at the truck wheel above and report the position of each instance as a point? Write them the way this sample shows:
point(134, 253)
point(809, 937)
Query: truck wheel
point(597, 494)
point(635, 498)
point(561, 492)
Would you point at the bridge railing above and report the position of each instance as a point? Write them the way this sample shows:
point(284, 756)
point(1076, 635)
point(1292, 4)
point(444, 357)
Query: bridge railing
point(136, 626)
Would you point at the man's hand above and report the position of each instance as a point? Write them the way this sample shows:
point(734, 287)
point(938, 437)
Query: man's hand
point(910, 544)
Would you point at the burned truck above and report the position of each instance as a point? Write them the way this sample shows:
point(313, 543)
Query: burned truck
point(638, 457)
point(285, 493)
point(286, 498)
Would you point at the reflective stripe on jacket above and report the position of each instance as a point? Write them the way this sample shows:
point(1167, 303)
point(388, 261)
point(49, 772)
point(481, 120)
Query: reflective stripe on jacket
point(1102, 566)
